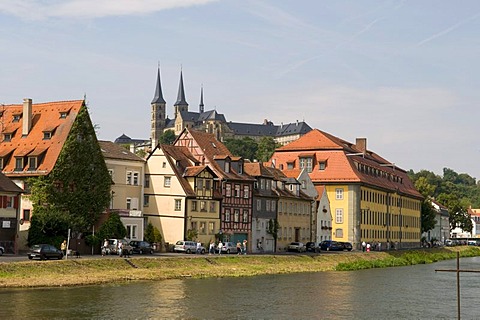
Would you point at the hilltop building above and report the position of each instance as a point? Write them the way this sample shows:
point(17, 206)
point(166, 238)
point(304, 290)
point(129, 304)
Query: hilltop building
point(209, 121)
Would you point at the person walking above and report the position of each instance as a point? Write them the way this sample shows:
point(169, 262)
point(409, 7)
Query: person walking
point(63, 247)
point(364, 246)
point(211, 248)
point(239, 247)
point(220, 247)
point(120, 248)
point(105, 247)
point(245, 246)
point(368, 247)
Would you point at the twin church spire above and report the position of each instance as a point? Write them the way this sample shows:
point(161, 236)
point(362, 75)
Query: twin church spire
point(159, 113)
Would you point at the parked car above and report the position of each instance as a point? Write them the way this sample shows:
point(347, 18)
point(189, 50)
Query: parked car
point(311, 246)
point(141, 246)
point(229, 247)
point(113, 246)
point(188, 247)
point(330, 245)
point(296, 246)
point(347, 246)
point(44, 252)
point(2, 250)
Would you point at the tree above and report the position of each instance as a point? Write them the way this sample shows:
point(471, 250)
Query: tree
point(112, 228)
point(266, 148)
point(428, 214)
point(192, 234)
point(245, 148)
point(168, 137)
point(152, 234)
point(77, 190)
point(272, 229)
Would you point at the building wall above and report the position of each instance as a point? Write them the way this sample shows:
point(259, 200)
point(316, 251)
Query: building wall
point(293, 214)
point(342, 214)
point(323, 220)
point(161, 210)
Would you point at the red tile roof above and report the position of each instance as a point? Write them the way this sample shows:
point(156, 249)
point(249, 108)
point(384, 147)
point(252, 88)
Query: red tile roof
point(344, 163)
point(45, 117)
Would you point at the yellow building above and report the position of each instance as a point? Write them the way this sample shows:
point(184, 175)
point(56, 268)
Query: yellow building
point(371, 199)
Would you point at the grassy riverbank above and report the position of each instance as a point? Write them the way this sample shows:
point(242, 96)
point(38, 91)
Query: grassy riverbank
point(87, 271)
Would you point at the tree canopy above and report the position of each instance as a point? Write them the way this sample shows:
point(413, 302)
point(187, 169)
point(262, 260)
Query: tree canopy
point(250, 149)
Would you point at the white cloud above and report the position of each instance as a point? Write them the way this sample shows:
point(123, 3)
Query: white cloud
point(44, 9)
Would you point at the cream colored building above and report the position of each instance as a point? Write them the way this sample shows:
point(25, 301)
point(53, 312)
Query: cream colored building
point(179, 195)
point(127, 171)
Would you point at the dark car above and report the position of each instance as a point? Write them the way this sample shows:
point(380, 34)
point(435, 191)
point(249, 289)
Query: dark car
point(330, 245)
point(311, 247)
point(44, 252)
point(347, 246)
point(141, 247)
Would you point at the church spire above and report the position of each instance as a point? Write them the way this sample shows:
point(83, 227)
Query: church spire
point(158, 98)
point(181, 93)
point(201, 106)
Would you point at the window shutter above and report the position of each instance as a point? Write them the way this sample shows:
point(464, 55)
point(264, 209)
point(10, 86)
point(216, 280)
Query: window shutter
point(15, 203)
point(134, 205)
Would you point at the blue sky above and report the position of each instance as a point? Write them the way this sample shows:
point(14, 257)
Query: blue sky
point(404, 74)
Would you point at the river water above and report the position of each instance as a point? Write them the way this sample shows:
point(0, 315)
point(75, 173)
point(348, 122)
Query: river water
point(414, 292)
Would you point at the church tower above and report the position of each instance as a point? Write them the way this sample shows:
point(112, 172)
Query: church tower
point(158, 113)
point(181, 104)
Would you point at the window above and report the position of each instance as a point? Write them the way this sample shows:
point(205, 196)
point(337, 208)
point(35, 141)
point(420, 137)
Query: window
point(19, 164)
point(26, 215)
point(245, 216)
point(164, 165)
point(227, 215)
point(7, 137)
point(227, 167)
point(262, 184)
point(339, 215)
point(213, 206)
point(63, 115)
point(167, 181)
point(290, 165)
point(129, 177)
point(111, 173)
point(267, 205)
point(194, 205)
point(129, 203)
point(236, 216)
point(208, 184)
point(339, 194)
point(199, 183)
point(259, 204)
point(246, 192)
point(135, 178)
point(146, 200)
point(203, 206)
point(339, 233)
point(237, 191)
point(273, 205)
point(16, 117)
point(304, 184)
point(211, 227)
point(32, 163)
point(131, 231)
point(228, 190)
point(146, 181)
point(306, 163)
point(203, 228)
point(178, 204)
point(322, 165)
point(47, 135)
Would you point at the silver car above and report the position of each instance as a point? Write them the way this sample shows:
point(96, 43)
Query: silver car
point(296, 246)
point(188, 247)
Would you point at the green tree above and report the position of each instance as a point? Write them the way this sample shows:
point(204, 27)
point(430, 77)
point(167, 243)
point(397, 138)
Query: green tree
point(266, 148)
point(112, 228)
point(245, 148)
point(168, 137)
point(192, 234)
point(48, 226)
point(78, 187)
point(152, 234)
point(272, 229)
point(427, 216)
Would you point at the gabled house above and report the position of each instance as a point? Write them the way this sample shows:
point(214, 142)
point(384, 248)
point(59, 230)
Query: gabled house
point(9, 214)
point(371, 198)
point(127, 171)
point(234, 184)
point(264, 212)
point(180, 195)
point(294, 210)
point(31, 139)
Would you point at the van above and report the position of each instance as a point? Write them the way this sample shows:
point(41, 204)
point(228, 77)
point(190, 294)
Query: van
point(113, 245)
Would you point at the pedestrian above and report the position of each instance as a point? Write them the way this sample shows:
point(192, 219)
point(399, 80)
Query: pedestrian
point(211, 248)
point(199, 248)
point(364, 246)
point(63, 247)
point(239, 247)
point(120, 248)
point(105, 247)
point(368, 247)
point(244, 246)
point(379, 246)
point(220, 246)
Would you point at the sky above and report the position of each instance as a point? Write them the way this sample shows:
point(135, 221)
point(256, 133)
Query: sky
point(403, 74)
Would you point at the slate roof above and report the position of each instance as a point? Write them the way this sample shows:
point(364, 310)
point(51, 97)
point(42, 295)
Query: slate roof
point(158, 97)
point(124, 139)
point(111, 150)
point(344, 163)
point(44, 117)
point(7, 185)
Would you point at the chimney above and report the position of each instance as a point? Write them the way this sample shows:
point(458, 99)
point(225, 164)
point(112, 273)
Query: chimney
point(27, 116)
point(361, 144)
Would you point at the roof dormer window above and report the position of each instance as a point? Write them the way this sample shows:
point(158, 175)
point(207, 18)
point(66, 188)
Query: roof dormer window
point(7, 137)
point(18, 163)
point(47, 135)
point(16, 117)
point(32, 163)
point(63, 114)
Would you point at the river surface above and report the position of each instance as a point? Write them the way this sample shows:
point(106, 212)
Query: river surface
point(414, 292)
